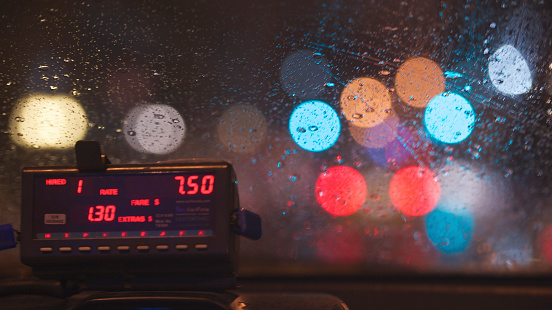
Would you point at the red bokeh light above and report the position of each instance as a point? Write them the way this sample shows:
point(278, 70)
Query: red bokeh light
point(414, 190)
point(545, 243)
point(338, 246)
point(341, 190)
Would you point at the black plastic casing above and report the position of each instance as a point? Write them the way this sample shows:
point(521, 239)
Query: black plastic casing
point(213, 267)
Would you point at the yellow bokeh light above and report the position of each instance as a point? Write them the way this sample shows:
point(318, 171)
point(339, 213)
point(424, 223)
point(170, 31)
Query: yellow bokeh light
point(365, 102)
point(47, 121)
point(242, 128)
point(419, 80)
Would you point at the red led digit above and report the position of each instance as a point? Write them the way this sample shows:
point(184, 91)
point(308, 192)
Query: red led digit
point(79, 187)
point(207, 184)
point(193, 185)
point(100, 213)
point(84, 235)
point(143, 234)
point(181, 186)
point(162, 233)
point(109, 213)
point(91, 214)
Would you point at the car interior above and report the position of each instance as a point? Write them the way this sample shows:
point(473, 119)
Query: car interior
point(316, 154)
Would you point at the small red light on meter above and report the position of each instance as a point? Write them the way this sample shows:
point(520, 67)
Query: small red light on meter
point(47, 236)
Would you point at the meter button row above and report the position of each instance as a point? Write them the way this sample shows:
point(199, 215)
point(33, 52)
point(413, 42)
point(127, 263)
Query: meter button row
point(105, 248)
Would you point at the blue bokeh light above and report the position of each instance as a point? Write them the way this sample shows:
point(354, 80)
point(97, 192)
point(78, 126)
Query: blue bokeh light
point(449, 232)
point(314, 126)
point(449, 118)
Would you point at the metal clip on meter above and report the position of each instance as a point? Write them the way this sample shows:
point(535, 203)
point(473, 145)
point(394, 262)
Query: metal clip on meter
point(155, 226)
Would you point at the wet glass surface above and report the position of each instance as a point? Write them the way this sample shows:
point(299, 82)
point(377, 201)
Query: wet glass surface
point(372, 137)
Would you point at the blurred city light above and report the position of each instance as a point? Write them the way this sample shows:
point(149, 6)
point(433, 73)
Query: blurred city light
point(314, 126)
point(418, 80)
point(449, 118)
point(47, 121)
point(242, 128)
point(365, 102)
point(154, 128)
point(509, 71)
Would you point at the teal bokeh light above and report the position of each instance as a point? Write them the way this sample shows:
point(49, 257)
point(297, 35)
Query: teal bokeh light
point(449, 118)
point(449, 231)
point(314, 126)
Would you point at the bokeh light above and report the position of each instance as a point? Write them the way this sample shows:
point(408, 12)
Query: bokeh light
point(509, 71)
point(414, 190)
point(378, 136)
point(365, 102)
point(378, 156)
point(341, 190)
point(340, 245)
point(544, 243)
point(154, 128)
point(47, 121)
point(242, 128)
point(304, 74)
point(450, 232)
point(449, 118)
point(314, 126)
point(418, 80)
point(465, 188)
point(409, 147)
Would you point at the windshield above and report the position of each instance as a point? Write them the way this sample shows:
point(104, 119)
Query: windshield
point(387, 137)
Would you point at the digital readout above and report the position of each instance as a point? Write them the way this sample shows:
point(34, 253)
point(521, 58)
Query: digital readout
point(125, 205)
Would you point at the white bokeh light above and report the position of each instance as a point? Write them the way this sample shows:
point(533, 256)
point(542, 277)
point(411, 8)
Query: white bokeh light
point(47, 121)
point(509, 71)
point(154, 128)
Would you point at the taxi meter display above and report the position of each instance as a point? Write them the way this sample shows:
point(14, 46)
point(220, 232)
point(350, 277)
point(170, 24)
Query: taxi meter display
point(125, 206)
point(157, 220)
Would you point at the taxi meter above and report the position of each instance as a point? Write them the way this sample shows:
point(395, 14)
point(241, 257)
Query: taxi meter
point(172, 224)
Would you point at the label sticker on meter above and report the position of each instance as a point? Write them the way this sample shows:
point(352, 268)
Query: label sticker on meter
point(54, 219)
